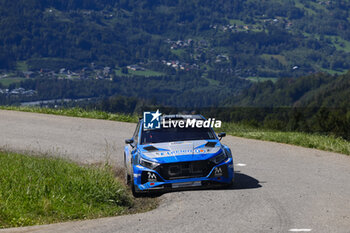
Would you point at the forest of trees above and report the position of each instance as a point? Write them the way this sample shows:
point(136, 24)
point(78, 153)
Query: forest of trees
point(181, 90)
point(318, 103)
point(313, 35)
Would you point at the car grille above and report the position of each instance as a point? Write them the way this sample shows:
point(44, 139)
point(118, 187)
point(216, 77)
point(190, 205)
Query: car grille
point(183, 170)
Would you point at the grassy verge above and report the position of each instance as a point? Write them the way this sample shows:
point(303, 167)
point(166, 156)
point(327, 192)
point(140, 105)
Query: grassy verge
point(39, 190)
point(76, 112)
point(322, 142)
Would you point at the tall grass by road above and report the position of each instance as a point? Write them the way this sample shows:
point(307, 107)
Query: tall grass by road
point(75, 112)
point(317, 141)
point(39, 190)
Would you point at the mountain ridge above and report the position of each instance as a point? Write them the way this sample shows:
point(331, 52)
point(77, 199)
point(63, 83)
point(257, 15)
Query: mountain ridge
point(239, 38)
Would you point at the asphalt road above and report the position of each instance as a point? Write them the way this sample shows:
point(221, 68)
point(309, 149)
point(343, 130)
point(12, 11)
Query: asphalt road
point(279, 188)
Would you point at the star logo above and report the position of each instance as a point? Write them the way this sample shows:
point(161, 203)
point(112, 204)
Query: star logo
point(151, 120)
point(156, 115)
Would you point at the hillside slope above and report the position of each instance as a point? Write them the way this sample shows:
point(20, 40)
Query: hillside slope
point(318, 90)
point(240, 38)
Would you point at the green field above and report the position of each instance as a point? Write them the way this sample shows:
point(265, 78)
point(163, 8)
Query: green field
point(333, 72)
point(302, 6)
point(262, 79)
point(339, 43)
point(237, 22)
point(7, 81)
point(22, 66)
point(282, 59)
point(145, 73)
point(178, 52)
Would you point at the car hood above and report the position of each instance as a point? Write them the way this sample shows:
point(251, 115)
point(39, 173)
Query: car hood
point(171, 152)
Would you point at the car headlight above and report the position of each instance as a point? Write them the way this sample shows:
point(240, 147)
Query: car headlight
point(147, 163)
point(219, 158)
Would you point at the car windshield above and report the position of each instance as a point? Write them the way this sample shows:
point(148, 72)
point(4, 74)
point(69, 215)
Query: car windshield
point(176, 134)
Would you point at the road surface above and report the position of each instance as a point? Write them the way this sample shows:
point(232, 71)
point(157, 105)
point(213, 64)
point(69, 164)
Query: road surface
point(280, 188)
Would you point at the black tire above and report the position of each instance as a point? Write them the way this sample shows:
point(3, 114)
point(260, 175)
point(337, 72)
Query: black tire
point(127, 177)
point(229, 185)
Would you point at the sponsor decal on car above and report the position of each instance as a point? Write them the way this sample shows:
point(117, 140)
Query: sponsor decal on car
point(183, 152)
point(151, 176)
point(218, 171)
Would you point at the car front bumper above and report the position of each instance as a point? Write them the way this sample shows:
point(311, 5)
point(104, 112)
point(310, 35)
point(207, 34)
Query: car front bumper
point(146, 179)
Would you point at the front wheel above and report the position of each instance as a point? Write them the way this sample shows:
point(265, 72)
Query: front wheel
point(229, 185)
point(127, 178)
point(130, 182)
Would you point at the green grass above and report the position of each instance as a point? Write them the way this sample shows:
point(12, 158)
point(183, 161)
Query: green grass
point(333, 72)
point(8, 81)
point(282, 59)
point(318, 6)
point(302, 6)
point(257, 27)
point(178, 52)
point(76, 112)
point(39, 190)
point(237, 22)
point(322, 142)
point(339, 43)
point(212, 82)
point(262, 79)
point(145, 73)
point(22, 66)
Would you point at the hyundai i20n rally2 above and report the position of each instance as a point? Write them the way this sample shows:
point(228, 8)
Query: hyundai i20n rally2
point(174, 157)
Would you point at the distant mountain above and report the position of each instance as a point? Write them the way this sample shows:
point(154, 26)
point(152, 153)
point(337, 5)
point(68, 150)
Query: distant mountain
point(240, 38)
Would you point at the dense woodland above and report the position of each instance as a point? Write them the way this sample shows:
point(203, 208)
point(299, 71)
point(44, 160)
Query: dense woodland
point(317, 103)
point(241, 38)
point(182, 90)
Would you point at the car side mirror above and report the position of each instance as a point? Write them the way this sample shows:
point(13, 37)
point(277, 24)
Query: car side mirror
point(129, 141)
point(221, 135)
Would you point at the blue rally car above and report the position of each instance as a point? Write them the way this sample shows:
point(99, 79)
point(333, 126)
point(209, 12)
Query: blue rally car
point(168, 158)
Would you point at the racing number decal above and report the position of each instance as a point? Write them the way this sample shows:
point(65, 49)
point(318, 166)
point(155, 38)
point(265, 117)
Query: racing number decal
point(218, 171)
point(151, 176)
